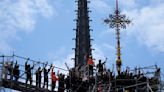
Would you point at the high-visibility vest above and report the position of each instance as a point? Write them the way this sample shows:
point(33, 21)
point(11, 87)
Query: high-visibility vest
point(53, 77)
point(90, 62)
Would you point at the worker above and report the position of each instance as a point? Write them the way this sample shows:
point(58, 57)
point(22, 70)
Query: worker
point(38, 77)
point(100, 87)
point(68, 85)
point(53, 79)
point(91, 64)
point(157, 74)
point(100, 66)
point(61, 87)
point(28, 69)
point(5, 70)
point(16, 71)
point(46, 71)
point(10, 69)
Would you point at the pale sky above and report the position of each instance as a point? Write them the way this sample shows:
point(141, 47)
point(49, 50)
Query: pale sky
point(43, 30)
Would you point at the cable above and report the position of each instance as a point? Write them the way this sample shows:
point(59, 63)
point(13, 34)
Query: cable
point(15, 57)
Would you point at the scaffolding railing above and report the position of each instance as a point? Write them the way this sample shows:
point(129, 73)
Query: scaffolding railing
point(1, 66)
point(110, 86)
point(4, 75)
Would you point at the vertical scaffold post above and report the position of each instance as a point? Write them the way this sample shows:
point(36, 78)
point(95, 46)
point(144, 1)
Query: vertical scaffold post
point(1, 74)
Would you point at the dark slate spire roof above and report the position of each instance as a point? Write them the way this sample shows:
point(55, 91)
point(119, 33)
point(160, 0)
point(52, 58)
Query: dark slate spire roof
point(83, 44)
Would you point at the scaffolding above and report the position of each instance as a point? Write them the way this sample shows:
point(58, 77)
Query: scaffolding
point(7, 78)
point(146, 79)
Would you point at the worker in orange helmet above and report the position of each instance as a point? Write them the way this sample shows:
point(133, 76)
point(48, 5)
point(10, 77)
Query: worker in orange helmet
point(53, 79)
point(90, 64)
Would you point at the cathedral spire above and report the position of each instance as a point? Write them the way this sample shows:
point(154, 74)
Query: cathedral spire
point(117, 21)
point(83, 44)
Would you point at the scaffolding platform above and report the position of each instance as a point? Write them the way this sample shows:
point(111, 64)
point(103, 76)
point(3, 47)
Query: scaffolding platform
point(137, 80)
point(23, 87)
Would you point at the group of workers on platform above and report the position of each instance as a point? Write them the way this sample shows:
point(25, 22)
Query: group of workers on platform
point(13, 71)
point(63, 82)
point(99, 66)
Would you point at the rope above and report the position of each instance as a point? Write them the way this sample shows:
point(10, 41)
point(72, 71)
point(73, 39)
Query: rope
point(33, 61)
point(78, 86)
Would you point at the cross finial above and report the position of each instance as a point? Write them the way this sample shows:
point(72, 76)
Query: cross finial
point(117, 21)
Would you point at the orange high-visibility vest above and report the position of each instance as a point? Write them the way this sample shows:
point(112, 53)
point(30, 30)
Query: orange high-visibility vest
point(90, 61)
point(53, 77)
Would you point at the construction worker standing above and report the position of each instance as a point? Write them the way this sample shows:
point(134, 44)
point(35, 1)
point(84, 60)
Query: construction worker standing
point(67, 82)
point(53, 79)
point(5, 70)
point(16, 71)
point(10, 69)
point(46, 75)
point(100, 66)
point(28, 69)
point(38, 77)
point(61, 87)
point(91, 64)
